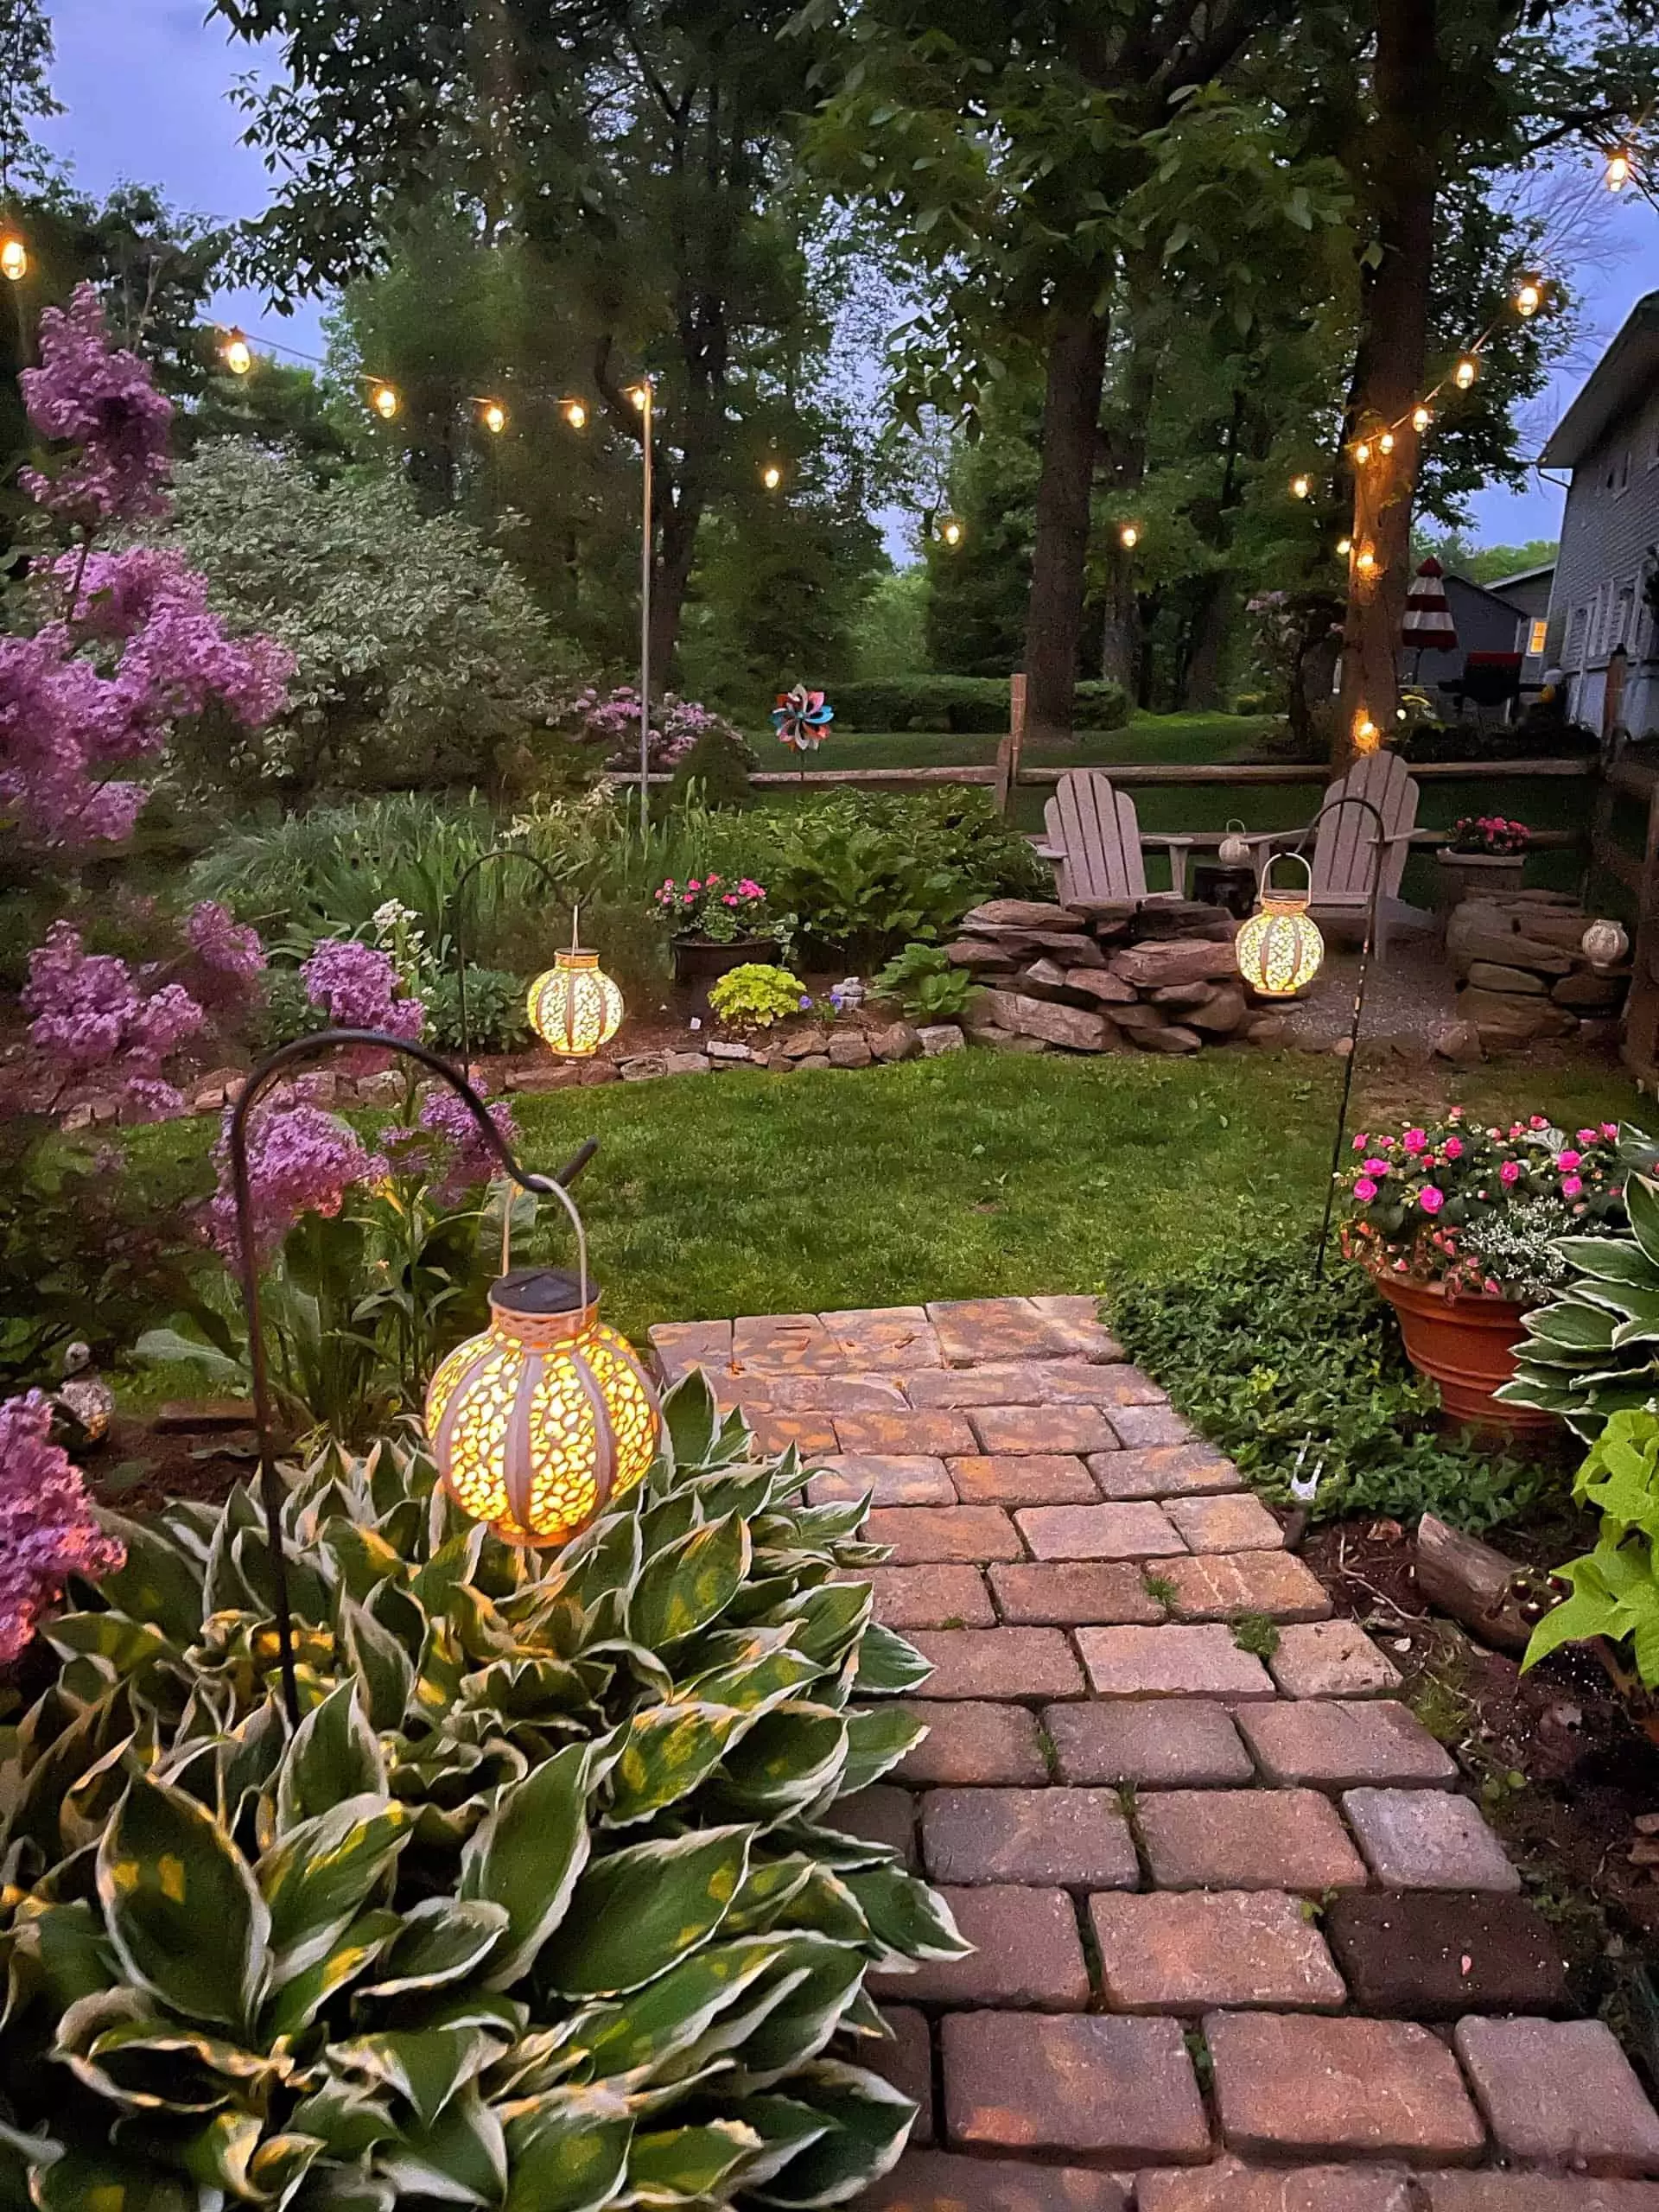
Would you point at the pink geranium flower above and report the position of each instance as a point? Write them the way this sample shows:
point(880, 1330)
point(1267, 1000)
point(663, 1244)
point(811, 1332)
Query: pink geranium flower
point(1376, 1166)
point(1416, 1140)
point(1431, 1198)
point(1510, 1173)
point(1453, 1148)
point(1364, 1190)
point(1571, 1185)
point(1569, 1160)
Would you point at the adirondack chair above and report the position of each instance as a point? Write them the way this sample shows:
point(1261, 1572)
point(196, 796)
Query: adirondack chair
point(1095, 841)
point(1345, 847)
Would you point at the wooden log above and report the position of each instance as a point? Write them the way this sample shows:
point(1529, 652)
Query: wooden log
point(1472, 1583)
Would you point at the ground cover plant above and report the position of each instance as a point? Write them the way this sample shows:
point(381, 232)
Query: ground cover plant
point(542, 1905)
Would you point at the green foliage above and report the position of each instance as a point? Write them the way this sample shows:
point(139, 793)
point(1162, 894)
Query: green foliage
point(961, 704)
point(1290, 1379)
point(717, 769)
point(889, 636)
point(496, 1015)
point(1595, 1351)
point(922, 981)
point(1256, 1633)
point(422, 659)
point(756, 995)
point(1615, 1589)
point(542, 1903)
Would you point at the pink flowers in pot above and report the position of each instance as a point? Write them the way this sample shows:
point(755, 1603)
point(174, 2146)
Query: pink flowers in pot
point(713, 906)
point(1493, 834)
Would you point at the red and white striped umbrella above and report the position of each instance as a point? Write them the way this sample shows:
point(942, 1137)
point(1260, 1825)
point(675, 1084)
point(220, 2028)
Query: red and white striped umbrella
point(1428, 628)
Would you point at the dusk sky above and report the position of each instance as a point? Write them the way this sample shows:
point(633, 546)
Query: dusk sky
point(144, 84)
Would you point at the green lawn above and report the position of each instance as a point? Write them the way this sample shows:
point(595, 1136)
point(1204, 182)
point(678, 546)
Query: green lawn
point(1169, 738)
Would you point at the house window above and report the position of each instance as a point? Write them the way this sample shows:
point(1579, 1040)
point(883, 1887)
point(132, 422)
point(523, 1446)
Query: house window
point(1576, 629)
point(1617, 477)
point(1536, 636)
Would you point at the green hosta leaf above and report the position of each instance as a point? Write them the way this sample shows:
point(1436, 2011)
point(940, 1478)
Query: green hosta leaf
point(181, 1906)
point(784, 2126)
point(826, 1905)
point(334, 1755)
point(913, 1921)
point(102, 2181)
point(639, 1911)
point(825, 1974)
point(689, 1584)
point(666, 1522)
point(687, 2165)
point(160, 1583)
point(1610, 1259)
point(876, 1741)
point(669, 2015)
point(280, 2164)
point(386, 1673)
point(304, 1995)
point(666, 1753)
point(1579, 1328)
point(128, 1646)
point(787, 1761)
point(1642, 1204)
point(691, 1420)
point(321, 1873)
point(219, 2154)
point(348, 2120)
point(569, 2153)
point(832, 1618)
point(460, 2160)
point(448, 1568)
point(764, 1900)
point(67, 1946)
point(529, 1689)
point(442, 1939)
point(887, 1666)
point(363, 1556)
point(870, 2124)
point(528, 1855)
point(751, 1670)
point(429, 2066)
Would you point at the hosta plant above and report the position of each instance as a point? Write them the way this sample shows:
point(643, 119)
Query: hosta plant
point(1594, 1351)
point(542, 1907)
point(1615, 1593)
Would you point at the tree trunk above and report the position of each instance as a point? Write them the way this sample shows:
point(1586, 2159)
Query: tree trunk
point(1077, 372)
point(1201, 679)
point(681, 515)
point(1403, 167)
point(1120, 648)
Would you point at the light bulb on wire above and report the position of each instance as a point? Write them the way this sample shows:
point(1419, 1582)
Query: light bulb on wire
point(493, 416)
point(1301, 486)
point(238, 354)
point(1128, 536)
point(14, 259)
point(1528, 298)
point(1421, 418)
point(1618, 170)
point(1385, 443)
point(1466, 372)
point(385, 401)
point(1363, 452)
point(641, 395)
point(1344, 547)
point(951, 532)
point(772, 476)
point(575, 414)
point(1365, 562)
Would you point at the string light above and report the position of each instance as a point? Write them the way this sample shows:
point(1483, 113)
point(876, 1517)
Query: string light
point(951, 532)
point(1528, 299)
point(385, 401)
point(1385, 443)
point(493, 416)
point(1363, 452)
point(575, 414)
point(1367, 736)
point(1618, 170)
point(1128, 536)
point(1365, 562)
point(772, 476)
point(1466, 372)
point(238, 354)
point(14, 259)
point(1301, 486)
point(1421, 418)
point(641, 395)
point(1344, 546)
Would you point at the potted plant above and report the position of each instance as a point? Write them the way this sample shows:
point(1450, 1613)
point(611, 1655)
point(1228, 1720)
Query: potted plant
point(716, 925)
point(1485, 853)
point(1458, 1225)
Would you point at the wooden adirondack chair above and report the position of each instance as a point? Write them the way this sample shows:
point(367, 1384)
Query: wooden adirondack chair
point(1095, 841)
point(1345, 846)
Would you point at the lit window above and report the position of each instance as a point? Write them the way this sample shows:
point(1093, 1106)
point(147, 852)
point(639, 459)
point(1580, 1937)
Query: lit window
point(1537, 635)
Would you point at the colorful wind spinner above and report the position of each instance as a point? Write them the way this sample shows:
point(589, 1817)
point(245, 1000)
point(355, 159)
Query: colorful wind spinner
point(801, 718)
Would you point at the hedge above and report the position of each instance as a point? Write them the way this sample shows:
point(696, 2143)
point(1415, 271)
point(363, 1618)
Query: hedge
point(963, 705)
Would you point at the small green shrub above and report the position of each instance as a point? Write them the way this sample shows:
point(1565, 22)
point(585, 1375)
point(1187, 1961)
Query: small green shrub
point(718, 767)
point(1288, 1378)
point(754, 996)
point(1615, 1588)
point(543, 1903)
point(922, 981)
point(496, 1015)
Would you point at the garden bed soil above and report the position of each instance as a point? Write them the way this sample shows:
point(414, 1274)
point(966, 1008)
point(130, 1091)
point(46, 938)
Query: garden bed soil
point(1553, 1755)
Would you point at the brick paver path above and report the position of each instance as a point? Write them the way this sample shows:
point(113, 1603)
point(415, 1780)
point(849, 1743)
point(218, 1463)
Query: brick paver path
point(1240, 1946)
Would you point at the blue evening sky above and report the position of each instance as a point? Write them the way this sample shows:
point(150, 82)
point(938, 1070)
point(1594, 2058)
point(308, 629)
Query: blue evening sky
point(144, 85)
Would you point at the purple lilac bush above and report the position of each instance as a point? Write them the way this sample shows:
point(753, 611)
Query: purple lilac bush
point(357, 986)
point(614, 722)
point(48, 1531)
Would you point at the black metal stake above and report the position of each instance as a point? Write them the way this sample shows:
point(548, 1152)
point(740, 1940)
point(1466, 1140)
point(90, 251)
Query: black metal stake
point(260, 1078)
point(457, 913)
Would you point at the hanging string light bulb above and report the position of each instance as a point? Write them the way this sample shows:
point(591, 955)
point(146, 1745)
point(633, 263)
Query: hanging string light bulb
point(1363, 452)
point(575, 414)
point(1528, 298)
point(1385, 443)
point(385, 401)
point(1301, 486)
point(1466, 372)
point(1367, 735)
point(1344, 547)
point(493, 416)
point(641, 395)
point(951, 532)
point(1618, 170)
point(14, 259)
point(237, 354)
point(1365, 562)
point(772, 476)
point(1421, 417)
point(1128, 536)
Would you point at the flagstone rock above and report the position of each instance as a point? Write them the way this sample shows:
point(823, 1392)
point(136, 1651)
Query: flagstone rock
point(940, 1037)
point(1427, 1839)
point(1159, 967)
point(1027, 1951)
point(1072, 1027)
point(1100, 984)
point(1247, 1840)
point(1515, 982)
point(1175, 1039)
point(931, 1596)
point(850, 1049)
point(1587, 993)
point(898, 1042)
point(1023, 913)
point(1222, 1014)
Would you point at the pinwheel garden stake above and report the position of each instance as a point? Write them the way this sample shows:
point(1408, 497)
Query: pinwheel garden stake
point(802, 718)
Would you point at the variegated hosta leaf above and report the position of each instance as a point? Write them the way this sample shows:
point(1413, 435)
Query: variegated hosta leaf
point(442, 1940)
point(689, 2165)
point(568, 2151)
point(334, 1755)
point(528, 1856)
point(641, 1911)
point(887, 1665)
point(689, 1584)
point(876, 1741)
point(788, 1760)
point(462, 2158)
point(910, 1919)
point(664, 1754)
point(868, 2123)
point(321, 1873)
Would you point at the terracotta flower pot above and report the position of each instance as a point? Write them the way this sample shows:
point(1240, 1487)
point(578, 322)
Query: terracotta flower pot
point(1466, 1346)
point(1476, 875)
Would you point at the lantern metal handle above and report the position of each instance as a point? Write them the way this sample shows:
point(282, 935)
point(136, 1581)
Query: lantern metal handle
point(457, 911)
point(319, 1045)
point(1294, 854)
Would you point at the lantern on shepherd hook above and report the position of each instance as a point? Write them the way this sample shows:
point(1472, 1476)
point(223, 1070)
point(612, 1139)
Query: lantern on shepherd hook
point(539, 1423)
point(575, 1007)
point(1279, 950)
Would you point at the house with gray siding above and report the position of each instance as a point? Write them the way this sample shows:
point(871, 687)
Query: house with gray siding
point(1603, 624)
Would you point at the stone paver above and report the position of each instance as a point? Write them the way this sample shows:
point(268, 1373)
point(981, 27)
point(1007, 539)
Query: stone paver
point(1427, 1839)
point(1160, 1744)
point(975, 1744)
point(998, 1663)
point(1327, 1658)
point(1042, 1429)
point(1076, 1839)
point(932, 2181)
point(1560, 2093)
point(1099, 1532)
point(1201, 1662)
point(1346, 1746)
point(1236, 1523)
point(890, 1478)
point(1191, 1951)
point(1176, 1836)
point(1428, 1956)
point(1119, 2091)
point(1067, 1593)
point(931, 1596)
point(1289, 2085)
point(1027, 1951)
point(1220, 1585)
point(1033, 1479)
point(1247, 1840)
point(923, 1536)
point(1163, 1471)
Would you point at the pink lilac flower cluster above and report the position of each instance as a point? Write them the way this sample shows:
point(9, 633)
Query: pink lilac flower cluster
point(301, 1159)
point(88, 393)
point(88, 1011)
point(357, 986)
point(1490, 833)
point(226, 957)
point(48, 1531)
point(612, 720)
point(1415, 1193)
point(447, 1145)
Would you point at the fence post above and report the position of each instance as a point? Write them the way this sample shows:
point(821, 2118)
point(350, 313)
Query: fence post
point(1008, 751)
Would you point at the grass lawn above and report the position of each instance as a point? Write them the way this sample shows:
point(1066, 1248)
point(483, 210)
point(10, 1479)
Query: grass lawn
point(1175, 738)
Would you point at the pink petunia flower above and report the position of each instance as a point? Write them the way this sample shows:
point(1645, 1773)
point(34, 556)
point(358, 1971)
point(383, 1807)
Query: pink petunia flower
point(1364, 1190)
